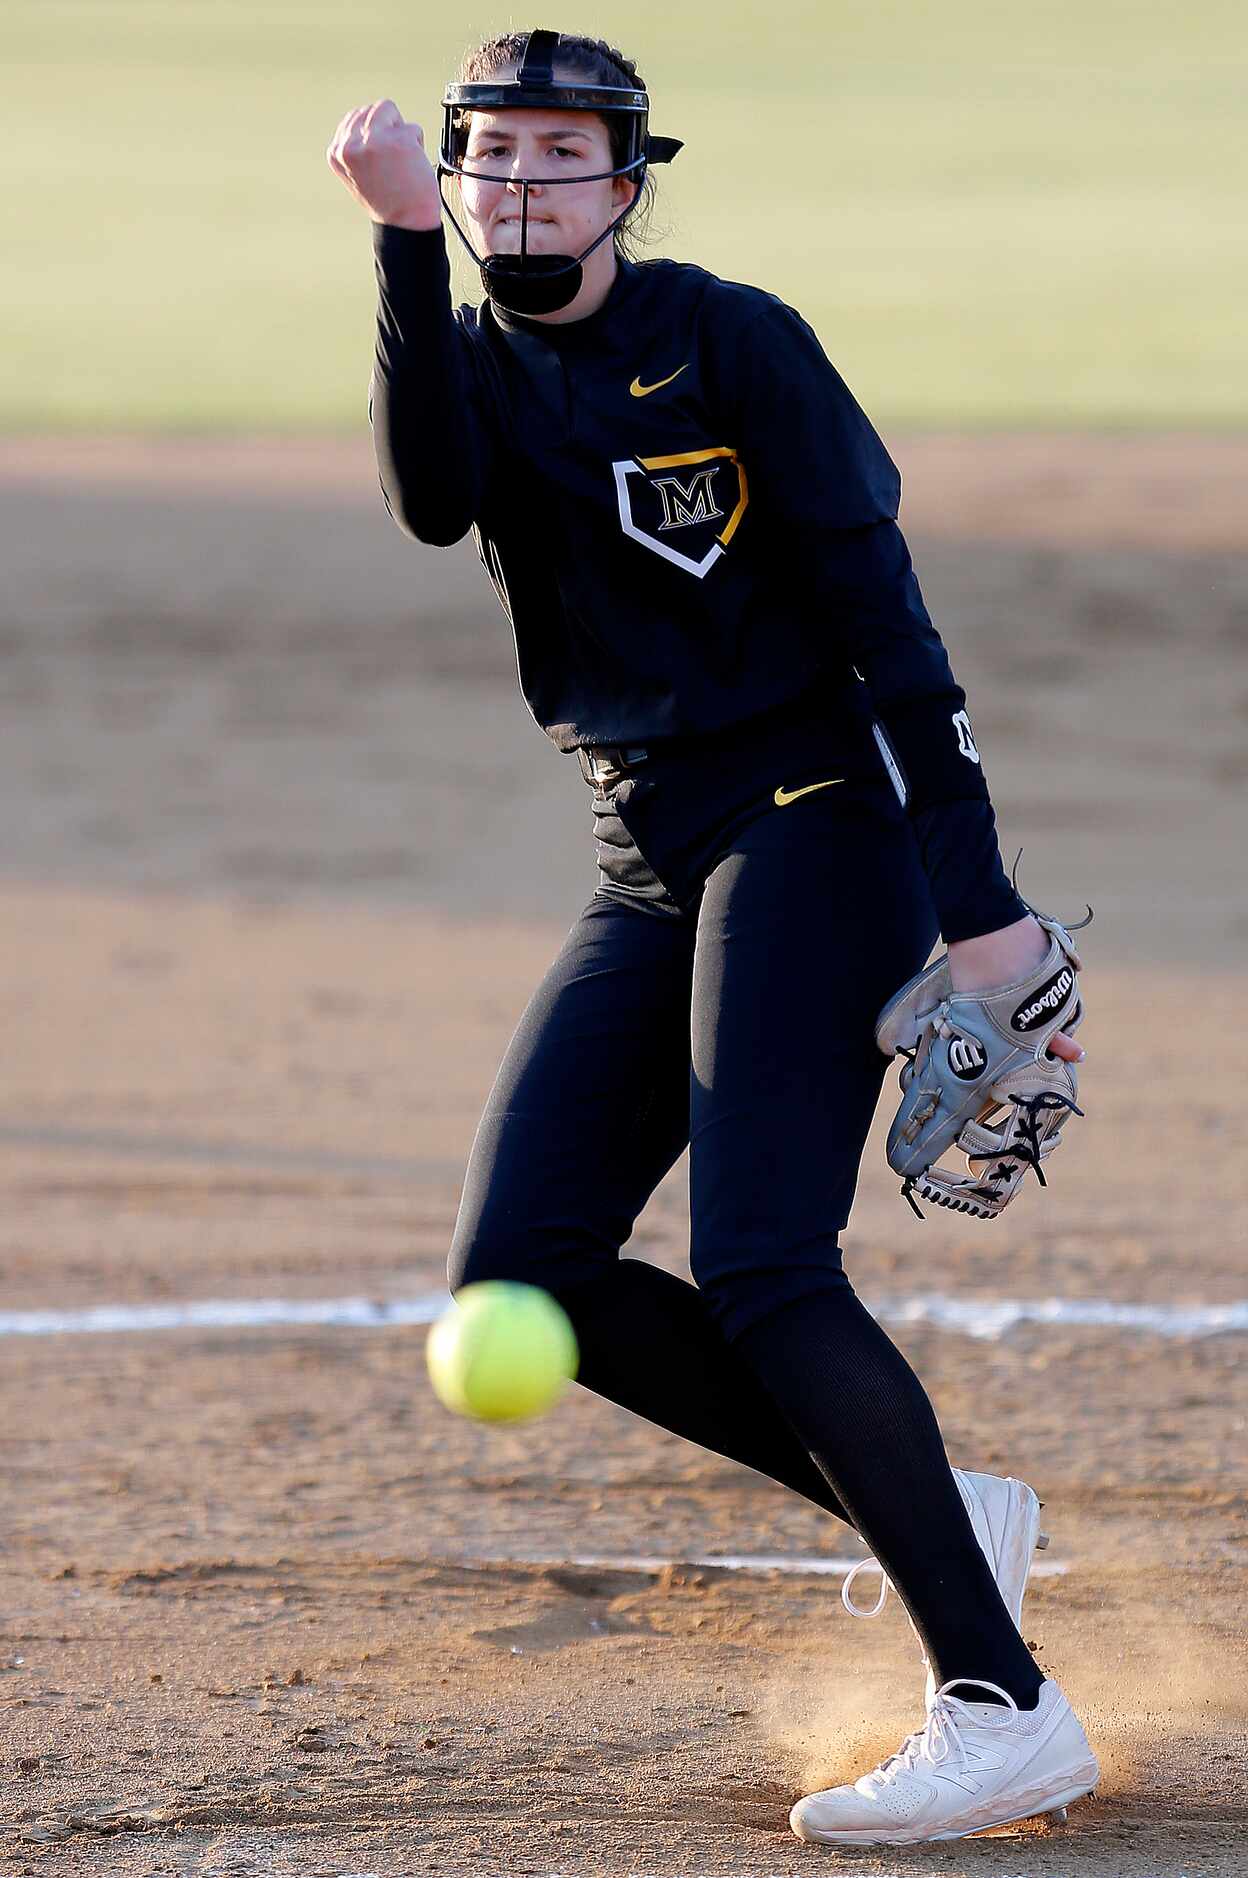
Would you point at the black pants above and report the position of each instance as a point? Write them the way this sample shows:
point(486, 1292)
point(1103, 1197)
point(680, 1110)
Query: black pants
point(719, 989)
point(737, 1019)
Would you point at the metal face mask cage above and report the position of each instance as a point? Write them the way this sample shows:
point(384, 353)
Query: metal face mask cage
point(542, 283)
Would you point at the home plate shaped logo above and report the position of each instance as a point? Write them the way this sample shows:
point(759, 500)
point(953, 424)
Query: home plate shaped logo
point(684, 507)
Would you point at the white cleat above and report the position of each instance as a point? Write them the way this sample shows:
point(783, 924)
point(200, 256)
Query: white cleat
point(971, 1765)
point(1005, 1516)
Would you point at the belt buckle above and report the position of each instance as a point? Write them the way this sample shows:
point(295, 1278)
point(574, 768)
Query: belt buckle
point(597, 767)
point(600, 768)
point(593, 767)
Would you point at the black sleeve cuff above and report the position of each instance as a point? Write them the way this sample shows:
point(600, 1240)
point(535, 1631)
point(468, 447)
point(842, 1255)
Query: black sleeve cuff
point(969, 884)
point(386, 237)
point(417, 255)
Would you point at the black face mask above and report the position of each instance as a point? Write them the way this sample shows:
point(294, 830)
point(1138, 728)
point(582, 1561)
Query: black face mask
point(527, 283)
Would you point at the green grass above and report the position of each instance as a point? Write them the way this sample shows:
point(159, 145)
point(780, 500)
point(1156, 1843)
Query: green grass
point(993, 213)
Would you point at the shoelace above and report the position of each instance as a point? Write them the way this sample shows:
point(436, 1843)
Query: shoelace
point(939, 1735)
point(886, 1585)
point(865, 1564)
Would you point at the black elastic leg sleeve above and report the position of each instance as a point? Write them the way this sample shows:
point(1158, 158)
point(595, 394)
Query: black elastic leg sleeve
point(860, 1409)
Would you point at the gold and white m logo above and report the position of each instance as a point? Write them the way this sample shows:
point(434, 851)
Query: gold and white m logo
point(687, 503)
point(691, 500)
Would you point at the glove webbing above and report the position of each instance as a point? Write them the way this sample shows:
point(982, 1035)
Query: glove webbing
point(1026, 1150)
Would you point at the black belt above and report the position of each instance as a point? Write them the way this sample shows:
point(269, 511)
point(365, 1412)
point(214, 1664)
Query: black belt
point(603, 763)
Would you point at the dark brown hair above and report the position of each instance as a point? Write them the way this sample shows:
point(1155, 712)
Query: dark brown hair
point(600, 64)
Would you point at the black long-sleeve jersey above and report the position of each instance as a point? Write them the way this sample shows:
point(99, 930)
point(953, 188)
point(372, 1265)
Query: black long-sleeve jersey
point(688, 520)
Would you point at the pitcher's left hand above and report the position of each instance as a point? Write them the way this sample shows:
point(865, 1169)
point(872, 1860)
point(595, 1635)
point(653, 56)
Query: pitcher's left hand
point(1002, 957)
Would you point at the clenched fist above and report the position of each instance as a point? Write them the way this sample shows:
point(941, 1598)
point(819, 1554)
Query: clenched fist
point(383, 163)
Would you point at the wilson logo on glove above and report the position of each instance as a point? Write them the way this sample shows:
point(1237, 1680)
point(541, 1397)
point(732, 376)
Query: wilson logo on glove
point(1048, 999)
point(967, 1059)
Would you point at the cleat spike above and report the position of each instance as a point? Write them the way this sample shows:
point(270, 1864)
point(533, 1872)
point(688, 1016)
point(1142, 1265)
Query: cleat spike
point(1058, 1816)
point(1042, 1542)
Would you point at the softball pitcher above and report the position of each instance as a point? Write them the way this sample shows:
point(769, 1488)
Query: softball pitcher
point(692, 528)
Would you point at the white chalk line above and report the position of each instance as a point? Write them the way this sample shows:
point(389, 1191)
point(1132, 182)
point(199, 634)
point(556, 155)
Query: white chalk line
point(228, 1314)
point(988, 1319)
point(796, 1566)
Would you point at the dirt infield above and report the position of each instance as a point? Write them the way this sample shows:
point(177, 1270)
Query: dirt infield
point(282, 858)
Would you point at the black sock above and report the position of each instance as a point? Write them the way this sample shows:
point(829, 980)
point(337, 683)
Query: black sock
point(649, 1342)
point(971, 1692)
point(860, 1410)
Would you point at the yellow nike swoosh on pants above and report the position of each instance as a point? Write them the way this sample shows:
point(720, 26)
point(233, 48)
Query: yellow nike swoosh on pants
point(784, 795)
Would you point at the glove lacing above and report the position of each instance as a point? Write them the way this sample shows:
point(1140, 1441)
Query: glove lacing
point(1028, 1149)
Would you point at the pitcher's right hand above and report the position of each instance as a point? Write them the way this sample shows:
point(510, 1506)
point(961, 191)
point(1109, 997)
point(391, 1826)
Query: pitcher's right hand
point(383, 162)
